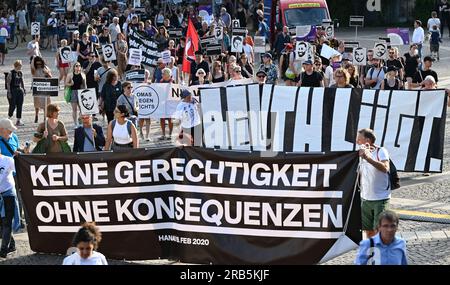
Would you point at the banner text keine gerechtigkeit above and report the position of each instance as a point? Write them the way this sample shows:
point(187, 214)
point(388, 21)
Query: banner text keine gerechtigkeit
point(194, 204)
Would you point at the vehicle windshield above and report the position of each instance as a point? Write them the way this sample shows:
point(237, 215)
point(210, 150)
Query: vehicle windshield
point(305, 16)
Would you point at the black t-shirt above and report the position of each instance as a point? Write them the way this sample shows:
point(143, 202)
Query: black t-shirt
point(421, 74)
point(312, 80)
point(395, 62)
point(411, 65)
point(195, 67)
point(90, 81)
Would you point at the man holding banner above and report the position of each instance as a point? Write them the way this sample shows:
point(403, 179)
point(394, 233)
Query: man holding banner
point(374, 180)
point(88, 136)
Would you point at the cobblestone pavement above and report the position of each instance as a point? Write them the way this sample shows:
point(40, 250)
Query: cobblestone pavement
point(427, 242)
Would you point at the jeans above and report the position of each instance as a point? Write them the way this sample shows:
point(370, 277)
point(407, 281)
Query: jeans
point(7, 238)
point(419, 47)
point(16, 101)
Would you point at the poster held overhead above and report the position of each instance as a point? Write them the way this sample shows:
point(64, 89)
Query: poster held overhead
point(87, 100)
point(360, 56)
point(109, 54)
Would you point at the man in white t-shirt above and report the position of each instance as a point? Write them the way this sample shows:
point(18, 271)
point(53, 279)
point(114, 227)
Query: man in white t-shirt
point(114, 29)
point(374, 180)
point(187, 112)
point(7, 203)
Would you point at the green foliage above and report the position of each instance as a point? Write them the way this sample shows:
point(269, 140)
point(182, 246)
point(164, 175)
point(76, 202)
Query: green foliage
point(423, 10)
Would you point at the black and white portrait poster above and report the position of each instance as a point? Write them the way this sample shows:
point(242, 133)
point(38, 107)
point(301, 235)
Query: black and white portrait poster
point(87, 99)
point(359, 56)
point(235, 23)
point(380, 51)
point(236, 43)
point(109, 54)
point(65, 53)
point(301, 51)
point(35, 28)
point(329, 30)
point(218, 32)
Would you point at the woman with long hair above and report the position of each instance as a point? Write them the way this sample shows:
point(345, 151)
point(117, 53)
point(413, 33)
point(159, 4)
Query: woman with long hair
point(162, 39)
point(122, 133)
point(40, 70)
point(122, 58)
point(76, 80)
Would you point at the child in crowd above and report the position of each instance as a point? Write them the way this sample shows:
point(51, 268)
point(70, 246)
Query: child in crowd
point(86, 240)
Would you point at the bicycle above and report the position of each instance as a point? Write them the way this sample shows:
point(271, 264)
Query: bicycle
point(13, 42)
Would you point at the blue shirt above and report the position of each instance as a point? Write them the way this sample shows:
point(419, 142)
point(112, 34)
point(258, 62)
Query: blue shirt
point(87, 144)
point(391, 254)
point(13, 143)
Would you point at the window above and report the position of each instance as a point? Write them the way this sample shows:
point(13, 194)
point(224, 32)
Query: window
point(305, 16)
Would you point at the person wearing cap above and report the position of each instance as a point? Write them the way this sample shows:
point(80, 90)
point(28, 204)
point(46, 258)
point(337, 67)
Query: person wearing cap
point(196, 65)
point(392, 82)
point(261, 77)
point(426, 70)
point(287, 74)
point(52, 25)
point(188, 113)
point(281, 41)
point(310, 77)
point(270, 68)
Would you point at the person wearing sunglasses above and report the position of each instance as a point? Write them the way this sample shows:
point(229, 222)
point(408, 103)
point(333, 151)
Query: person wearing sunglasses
point(261, 77)
point(394, 60)
point(385, 248)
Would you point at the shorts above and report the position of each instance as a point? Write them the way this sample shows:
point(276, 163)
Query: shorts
point(3, 48)
point(195, 133)
point(53, 31)
point(370, 210)
point(63, 65)
point(434, 47)
point(74, 97)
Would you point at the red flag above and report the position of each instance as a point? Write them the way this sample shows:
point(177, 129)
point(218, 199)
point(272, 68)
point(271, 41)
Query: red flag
point(191, 47)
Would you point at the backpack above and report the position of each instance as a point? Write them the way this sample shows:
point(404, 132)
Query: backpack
point(394, 179)
point(113, 124)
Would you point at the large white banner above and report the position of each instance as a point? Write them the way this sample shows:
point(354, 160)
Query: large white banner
point(410, 124)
